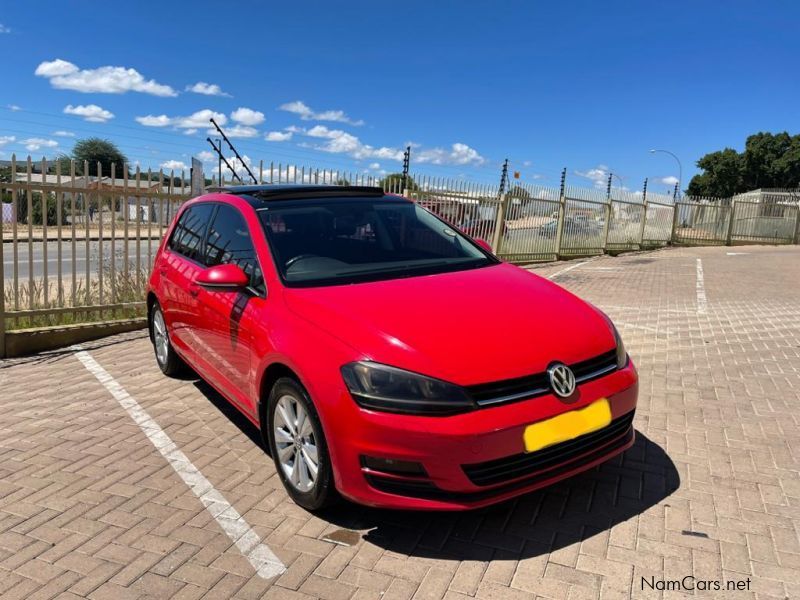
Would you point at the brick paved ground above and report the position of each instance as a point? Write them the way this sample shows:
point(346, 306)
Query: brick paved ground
point(89, 508)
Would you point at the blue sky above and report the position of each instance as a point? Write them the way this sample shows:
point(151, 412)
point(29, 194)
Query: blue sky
point(584, 85)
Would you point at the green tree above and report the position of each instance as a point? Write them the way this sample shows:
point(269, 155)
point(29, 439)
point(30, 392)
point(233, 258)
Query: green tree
point(342, 181)
point(36, 201)
point(768, 161)
point(394, 181)
point(517, 191)
point(96, 150)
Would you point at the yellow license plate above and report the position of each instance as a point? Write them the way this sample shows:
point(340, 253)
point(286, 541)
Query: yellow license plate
point(567, 426)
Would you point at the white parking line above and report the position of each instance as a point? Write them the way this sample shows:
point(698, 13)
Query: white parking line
point(569, 268)
point(702, 302)
point(264, 560)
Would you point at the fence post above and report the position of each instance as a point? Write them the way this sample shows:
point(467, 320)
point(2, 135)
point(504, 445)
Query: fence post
point(729, 235)
point(675, 215)
point(562, 209)
point(499, 225)
point(607, 222)
point(796, 228)
point(644, 222)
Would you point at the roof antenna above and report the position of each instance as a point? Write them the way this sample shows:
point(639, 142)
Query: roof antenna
point(227, 141)
point(225, 160)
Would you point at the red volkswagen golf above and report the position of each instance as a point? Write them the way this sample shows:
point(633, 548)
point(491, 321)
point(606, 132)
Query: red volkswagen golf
point(383, 354)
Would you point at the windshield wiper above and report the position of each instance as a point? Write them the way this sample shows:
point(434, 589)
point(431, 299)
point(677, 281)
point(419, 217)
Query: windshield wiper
point(407, 266)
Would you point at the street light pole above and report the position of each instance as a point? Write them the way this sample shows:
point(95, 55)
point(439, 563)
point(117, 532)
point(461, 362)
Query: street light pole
point(678, 160)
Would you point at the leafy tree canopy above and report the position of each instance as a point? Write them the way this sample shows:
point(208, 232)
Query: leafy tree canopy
point(768, 161)
point(94, 150)
point(394, 181)
point(517, 191)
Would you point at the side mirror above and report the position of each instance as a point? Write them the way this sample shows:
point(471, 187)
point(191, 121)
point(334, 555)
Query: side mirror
point(223, 278)
point(483, 244)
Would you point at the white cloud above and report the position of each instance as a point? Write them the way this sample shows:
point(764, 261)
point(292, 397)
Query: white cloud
point(238, 131)
point(207, 89)
point(65, 75)
point(14, 107)
point(154, 121)
point(33, 144)
point(671, 180)
point(278, 136)
point(174, 165)
point(7, 139)
point(302, 110)
point(341, 142)
point(375, 166)
point(55, 68)
point(89, 112)
point(62, 133)
point(459, 154)
point(598, 176)
point(4, 29)
point(191, 131)
point(196, 120)
point(247, 116)
point(238, 167)
point(206, 156)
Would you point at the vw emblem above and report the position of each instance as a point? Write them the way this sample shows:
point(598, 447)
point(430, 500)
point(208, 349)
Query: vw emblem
point(562, 379)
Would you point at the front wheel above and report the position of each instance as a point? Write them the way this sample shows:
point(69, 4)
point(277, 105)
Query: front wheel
point(168, 361)
point(298, 446)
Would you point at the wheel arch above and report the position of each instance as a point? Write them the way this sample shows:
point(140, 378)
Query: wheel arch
point(151, 302)
point(271, 374)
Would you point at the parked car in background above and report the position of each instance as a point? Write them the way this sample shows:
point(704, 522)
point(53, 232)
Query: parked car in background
point(356, 331)
point(482, 228)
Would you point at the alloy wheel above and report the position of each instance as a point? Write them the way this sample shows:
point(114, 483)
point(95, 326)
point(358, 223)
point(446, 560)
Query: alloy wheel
point(295, 443)
point(160, 337)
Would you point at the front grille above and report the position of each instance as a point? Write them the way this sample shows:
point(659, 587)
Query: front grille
point(427, 490)
point(538, 384)
point(534, 463)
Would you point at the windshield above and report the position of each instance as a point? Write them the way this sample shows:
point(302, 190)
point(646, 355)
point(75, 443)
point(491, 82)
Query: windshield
point(335, 241)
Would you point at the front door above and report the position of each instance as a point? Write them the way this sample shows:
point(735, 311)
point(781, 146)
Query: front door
point(225, 331)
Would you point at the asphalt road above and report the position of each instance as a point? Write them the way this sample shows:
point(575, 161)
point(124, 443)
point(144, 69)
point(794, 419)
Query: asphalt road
point(38, 257)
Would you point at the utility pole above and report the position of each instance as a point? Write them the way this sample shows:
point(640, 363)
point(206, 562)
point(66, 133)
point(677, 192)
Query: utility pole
point(219, 162)
point(675, 192)
point(608, 186)
point(406, 162)
point(503, 177)
point(644, 191)
point(563, 182)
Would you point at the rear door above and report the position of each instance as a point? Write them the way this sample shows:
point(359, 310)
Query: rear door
point(226, 317)
point(179, 270)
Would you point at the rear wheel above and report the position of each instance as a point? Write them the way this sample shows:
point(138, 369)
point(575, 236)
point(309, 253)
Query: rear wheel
point(298, 445)
point(168, 361)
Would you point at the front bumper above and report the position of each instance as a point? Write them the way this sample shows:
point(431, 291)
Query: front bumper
point(477, 458)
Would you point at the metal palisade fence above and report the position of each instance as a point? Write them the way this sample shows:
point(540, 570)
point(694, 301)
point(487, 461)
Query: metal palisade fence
point(78, 241)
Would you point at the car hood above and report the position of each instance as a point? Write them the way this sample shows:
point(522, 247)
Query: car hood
point(467, 327)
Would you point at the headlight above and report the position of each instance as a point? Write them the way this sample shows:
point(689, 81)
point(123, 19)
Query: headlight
point(622, 355)
point(380, 387)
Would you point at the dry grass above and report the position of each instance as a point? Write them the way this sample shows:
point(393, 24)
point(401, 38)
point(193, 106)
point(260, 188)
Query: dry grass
point(123, 288)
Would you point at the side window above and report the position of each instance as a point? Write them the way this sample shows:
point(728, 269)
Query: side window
point(187, 238)
point(229, 242)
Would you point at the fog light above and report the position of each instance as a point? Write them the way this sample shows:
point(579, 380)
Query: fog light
point(390, 465)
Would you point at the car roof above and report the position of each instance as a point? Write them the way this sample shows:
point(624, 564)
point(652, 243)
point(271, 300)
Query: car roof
point(257, 195)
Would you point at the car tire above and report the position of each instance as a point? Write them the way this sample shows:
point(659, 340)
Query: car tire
point(293, 451)
point(168, 360)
